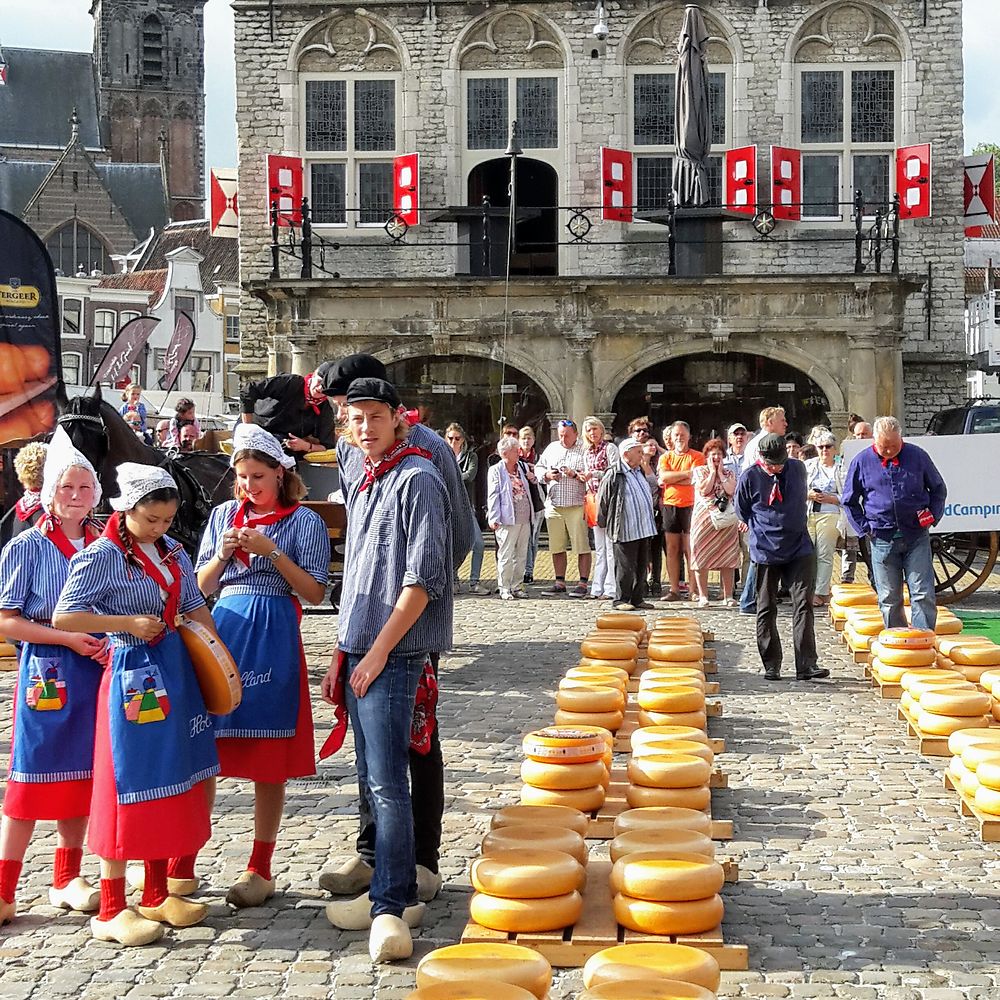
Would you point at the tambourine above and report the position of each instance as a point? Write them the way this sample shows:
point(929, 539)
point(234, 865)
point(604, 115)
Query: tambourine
point(216, 670)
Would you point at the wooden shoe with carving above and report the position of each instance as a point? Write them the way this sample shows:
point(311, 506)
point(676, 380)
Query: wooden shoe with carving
point(126, 928)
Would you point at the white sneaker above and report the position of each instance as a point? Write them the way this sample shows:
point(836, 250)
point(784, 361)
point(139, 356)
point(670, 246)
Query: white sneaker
point(389, 940)
point(506, 595)
point(703, 601)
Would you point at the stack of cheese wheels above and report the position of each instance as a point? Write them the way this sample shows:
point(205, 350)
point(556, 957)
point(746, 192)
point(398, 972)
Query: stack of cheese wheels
point(972, 655)
point(988, 777)
point(628, 962)
point(941, 709)
point(648, 989)
point(969, 749)
point(466, 989)
point(668, 698)
point(862, 626)
point(617, 620)
point(546, 827)
point(668, 830)
point(669, 779)
point(850, 595)
point(900, 649)
point(526, 890)
point(915, 682)
point(566, 766)
point(591, 699)
point(482, 964)
point(989, 681)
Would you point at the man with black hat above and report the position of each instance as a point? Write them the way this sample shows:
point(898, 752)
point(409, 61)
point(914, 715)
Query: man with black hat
point(293, 408)
point(771, 501)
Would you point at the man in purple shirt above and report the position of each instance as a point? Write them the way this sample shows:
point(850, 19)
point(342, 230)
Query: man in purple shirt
point(894, 494)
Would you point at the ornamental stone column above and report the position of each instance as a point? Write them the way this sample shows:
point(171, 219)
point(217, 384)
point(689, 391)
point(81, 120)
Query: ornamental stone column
point(581, 389)
point(862, 390)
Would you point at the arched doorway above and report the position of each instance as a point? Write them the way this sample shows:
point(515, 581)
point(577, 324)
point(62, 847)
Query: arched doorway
point(536, 245)
point(467, 390)
point(712, 391)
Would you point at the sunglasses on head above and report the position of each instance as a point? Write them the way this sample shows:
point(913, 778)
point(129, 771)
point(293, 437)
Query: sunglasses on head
point(567, 423)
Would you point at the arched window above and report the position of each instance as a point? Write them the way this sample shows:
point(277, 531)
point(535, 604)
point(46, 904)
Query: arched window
point(152, 50)
point(75, 248)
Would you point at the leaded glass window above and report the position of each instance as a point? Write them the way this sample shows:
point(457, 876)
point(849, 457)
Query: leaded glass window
point(717, 106)
point(487, 114)
point(871, 178)
point(538, 112)
point(374, 193)
point(327, 182)
point(653, 178)
point(873, 106)
point(374, 114)
point(326, 115)
point(822, 106)
point(653, 109)
point(821, 186)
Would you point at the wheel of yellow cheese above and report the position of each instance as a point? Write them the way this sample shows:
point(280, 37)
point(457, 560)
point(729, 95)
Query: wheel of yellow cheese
point(563, 744)
point(945, 725)
point(947, 625)
point(905, 657)
point(988, 678)
point(952, 701)
point(988, 772)
point(906, 638)
point(972, 673)
point(927, 685)
point(936, 676)
point(976, 753)
point(485, 963)
point(963, 738)
point(639, 961)
point(669, 771)
point(605, 720)
point(857, 598)
point(961, 776)
point(674, 651)
point(662, 841)
point(988, 800)
point(647, 989)
point(584, 799)
point(563, 816)
point(696, 720)
point(608, 649)
point(650, 734)
point(976, 656)
point(680, 699)
point(589, 672)
point(527, 873)
point(662, 818)
point(466, 989)
point(558, 777)
point(674, 746)
point(689, 917)
point(699, 797)
point(886, 673)
point(575, 681)
point(548, 838)
point(645, 876)
point(619, 619)
point(946, 644)
point(654, 673)
point(523, 916)
point(590, 699)
point(671, 684)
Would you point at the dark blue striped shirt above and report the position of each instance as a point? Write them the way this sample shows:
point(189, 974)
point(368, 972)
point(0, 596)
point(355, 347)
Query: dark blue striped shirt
point(32, 575)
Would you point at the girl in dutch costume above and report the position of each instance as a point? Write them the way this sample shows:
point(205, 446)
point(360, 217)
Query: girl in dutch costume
point(55, 701)
point(154, 747)
point(262, 549)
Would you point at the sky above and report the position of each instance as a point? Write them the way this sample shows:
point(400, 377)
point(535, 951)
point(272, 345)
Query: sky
point(66, 24)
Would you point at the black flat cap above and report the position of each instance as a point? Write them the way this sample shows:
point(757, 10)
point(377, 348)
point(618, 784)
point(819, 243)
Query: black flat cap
point(338, 375)
point(773, 449)
point(374, 390)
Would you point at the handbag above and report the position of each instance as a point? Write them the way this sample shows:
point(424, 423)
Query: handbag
point(534, 490)
point(590, 508)
point(722, 518)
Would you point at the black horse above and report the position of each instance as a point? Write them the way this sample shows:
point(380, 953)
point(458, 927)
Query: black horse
point(98, 430)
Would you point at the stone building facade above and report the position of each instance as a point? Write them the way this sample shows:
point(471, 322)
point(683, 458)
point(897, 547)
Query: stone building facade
point(598, 326)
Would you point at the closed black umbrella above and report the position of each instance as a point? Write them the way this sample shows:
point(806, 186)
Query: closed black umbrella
point(693, 117)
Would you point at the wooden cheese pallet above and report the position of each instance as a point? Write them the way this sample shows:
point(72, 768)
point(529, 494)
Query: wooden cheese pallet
point(597, 929)
point(989, 826)
point(930, 745)
point(886, 689)
point(603, 821)
point(8, 663)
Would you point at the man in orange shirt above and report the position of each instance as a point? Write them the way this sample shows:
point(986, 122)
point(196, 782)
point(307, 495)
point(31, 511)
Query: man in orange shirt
point(674, 475)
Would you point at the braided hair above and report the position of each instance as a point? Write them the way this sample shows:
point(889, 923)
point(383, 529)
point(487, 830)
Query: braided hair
point(163, 495)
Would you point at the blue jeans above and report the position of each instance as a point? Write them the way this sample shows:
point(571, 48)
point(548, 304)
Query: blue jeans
point(478, 548)
point(536, 530)
point(898, 559)
point(381, 721)
point(748, 598)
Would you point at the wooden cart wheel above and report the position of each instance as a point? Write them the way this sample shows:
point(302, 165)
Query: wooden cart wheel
point(963, 562)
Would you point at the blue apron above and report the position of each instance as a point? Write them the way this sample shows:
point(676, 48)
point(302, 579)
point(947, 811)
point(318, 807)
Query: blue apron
point(55, 715)
point(262, 633)
point(162, 737)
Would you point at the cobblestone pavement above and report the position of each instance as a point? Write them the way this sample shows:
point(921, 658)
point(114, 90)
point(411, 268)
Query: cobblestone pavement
point(857, 877)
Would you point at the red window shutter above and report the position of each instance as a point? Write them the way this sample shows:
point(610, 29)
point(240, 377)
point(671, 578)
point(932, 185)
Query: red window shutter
point(406, 188)
point(741, 180)
point(913, 181)
point(616, 184)
point(284, 186)
point(786, 183)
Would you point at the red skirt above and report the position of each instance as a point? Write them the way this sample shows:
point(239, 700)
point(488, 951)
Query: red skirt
point(143, 831)
point(273, 761)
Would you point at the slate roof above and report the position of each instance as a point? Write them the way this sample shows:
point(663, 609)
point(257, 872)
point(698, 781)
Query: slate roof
point(975, 282)
point(43, 88)
point(19, 180)
point(139, 281)
point(221, 265)
point(137, 189)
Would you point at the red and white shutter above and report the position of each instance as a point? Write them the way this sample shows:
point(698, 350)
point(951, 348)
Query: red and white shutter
point(285, 186)
point(616, 184)
point(913, 181)
point(741, 180)
point(980, 194)
point(786, 183)
point(225, 203)
point(406, 188)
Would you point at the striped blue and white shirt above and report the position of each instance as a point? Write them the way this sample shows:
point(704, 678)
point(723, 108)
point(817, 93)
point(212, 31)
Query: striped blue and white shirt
point(351, 463)
point(32, 575)
point(638, 508)
point(102, 582)
point(302, 536)
point(398, 535)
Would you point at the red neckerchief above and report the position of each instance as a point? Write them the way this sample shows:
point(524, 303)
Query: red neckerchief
point(886, 462)
point(775, 489)
point(424, 711)
point(312, 401)
point(392, 458)
point(335, 740)
point(411, 416)
point(242, 519)
point(171, 607)
point(28, 505)
point(51, 528)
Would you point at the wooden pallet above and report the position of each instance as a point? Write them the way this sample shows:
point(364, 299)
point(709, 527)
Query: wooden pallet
point(886, 689)
point(989, 826)
point(861, 655)
point(8, 663)
point(597, 929)
point(930, 746)
point(602, 822)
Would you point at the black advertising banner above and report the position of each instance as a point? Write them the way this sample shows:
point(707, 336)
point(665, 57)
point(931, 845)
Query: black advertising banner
point(30, 360)
point(176, 354)
point(116, 365)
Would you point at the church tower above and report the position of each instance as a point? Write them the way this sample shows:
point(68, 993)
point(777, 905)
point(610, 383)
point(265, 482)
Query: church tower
point(150, 62)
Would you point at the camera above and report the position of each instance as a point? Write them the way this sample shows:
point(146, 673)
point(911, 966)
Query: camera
point(721, 503)
point(601, 31)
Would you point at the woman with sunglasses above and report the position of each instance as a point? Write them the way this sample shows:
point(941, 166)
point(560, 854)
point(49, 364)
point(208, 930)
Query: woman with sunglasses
point(825, 481)
point(468, 464)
